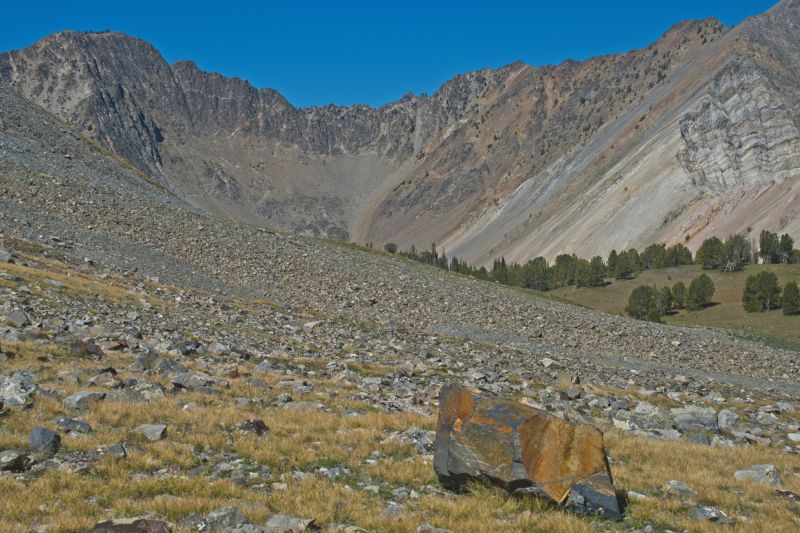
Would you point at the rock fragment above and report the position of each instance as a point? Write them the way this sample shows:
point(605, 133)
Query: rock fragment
point(44, 443)
point(131, 525)
point(766, 474)
point(152, 432)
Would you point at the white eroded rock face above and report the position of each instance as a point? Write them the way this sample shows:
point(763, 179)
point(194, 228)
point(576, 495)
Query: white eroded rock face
point(741, 132)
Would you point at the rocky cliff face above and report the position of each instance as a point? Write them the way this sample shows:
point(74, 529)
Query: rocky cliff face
point(518, 161)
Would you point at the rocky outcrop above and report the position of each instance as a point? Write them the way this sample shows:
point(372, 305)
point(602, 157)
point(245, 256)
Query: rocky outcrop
point(523, 450)
point(742, 132)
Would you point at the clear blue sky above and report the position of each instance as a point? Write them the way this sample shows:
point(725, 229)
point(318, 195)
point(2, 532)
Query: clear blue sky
point(373, 52)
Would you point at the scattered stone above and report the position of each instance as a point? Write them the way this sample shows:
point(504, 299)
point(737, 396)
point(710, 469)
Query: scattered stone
point(225, 518)
point(787, 495)
point(308, 327)
point(694, 417)
point(44, 443)
point(256, 426)
point(18, 389)
point(132, 525)
point(13, 461)
point(726, 418)
point(681, 489)
point(766, 474)
point(152, 432)
point(710, 514)
point(81, 400)
point(288, 524)
point(6, 256)
point(422, 440)
point(428, 528)
point(86, 349)
point(523, 450)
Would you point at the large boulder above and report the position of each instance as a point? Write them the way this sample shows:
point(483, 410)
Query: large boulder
point(523, 450)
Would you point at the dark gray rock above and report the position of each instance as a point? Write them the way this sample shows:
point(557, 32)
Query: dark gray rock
point(225, 518)
point(13, 461)
point(694, 417)
point(70, 424)
point(44, 443)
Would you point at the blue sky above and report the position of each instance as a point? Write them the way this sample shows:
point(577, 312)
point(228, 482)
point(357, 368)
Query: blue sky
point(343, 52)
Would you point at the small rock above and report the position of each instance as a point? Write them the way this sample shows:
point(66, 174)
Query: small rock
point(81, 400)
point(550, 363)
point(131, 525)
point(680, 488)
point(637, 496)
point(308, 327)
point(710, 514)
point(86, 349)
point(692, 417)
point(153, 432)
point(428, 528)
point(226, 517)
point(766, 474)
point(256, 426)
point(43, 442)
point(726, 418)
point(787, 495)
point(70, 424)
point(13, 461)
point(288, 524)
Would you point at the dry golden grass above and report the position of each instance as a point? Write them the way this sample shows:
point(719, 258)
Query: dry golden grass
point(309, 440)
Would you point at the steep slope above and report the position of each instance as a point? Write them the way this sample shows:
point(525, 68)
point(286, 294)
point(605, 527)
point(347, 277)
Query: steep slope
point(694, 135)
point(712, 150)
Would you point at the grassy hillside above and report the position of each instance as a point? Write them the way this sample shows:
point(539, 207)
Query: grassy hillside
point(726, 311)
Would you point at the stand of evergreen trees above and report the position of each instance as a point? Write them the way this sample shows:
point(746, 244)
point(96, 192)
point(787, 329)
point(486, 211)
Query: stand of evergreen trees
point(568, 269)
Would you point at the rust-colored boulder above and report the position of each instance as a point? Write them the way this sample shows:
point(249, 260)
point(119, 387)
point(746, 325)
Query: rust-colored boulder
point(523, 450)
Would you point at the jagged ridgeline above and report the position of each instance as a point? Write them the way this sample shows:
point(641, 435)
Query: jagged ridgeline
point(691, 137)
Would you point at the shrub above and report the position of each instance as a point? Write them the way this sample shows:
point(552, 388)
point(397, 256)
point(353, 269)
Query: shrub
point(390, 247)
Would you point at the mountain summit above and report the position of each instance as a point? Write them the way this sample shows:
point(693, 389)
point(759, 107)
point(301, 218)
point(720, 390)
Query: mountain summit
point(693, 136)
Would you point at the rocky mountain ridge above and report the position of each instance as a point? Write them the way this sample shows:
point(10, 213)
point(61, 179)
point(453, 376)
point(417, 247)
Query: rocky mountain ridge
point(693, 135)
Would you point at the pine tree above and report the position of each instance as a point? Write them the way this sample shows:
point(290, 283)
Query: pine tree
point(701, 289)
point(711, 254)
point(664, 300)
point(642, 301)
point(761, 292)
point(769, 247)
point(679, 295)
point(791, 299)
point(611, 263)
